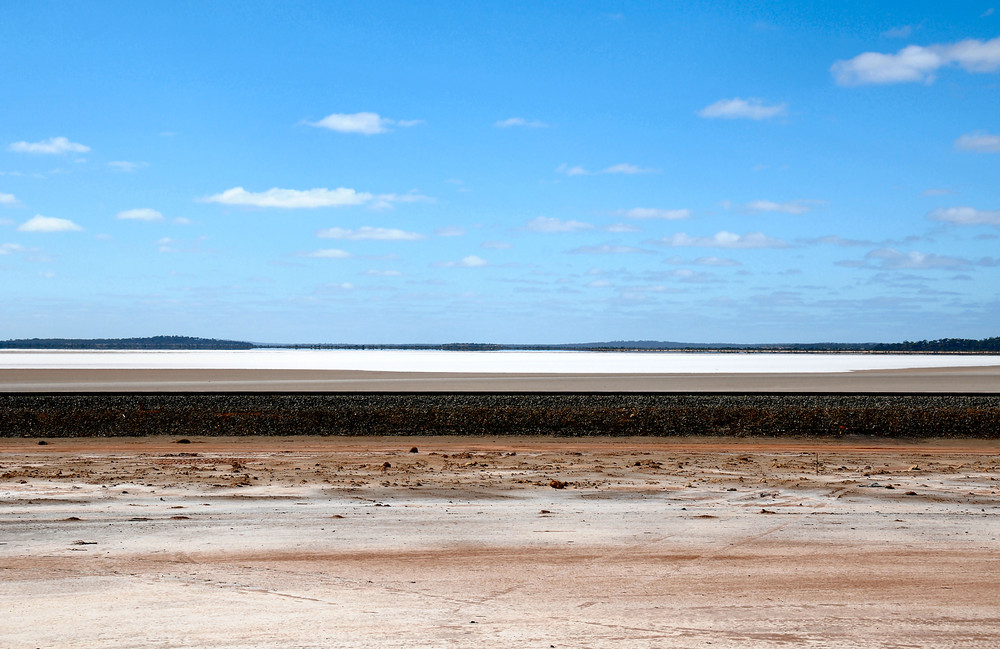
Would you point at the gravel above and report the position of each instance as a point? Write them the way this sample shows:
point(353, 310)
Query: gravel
point(627, 414)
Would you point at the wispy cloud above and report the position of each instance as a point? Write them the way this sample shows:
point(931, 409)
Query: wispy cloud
point(327, 253)
point(626, 168)
point(520, 121)
point(723, 239)
point(965, 216)
point(608, 249)
point(903, 31)
point(549, 225)
point(495, 245)
point(52, 146)
point(8, 199)
point(937, 191)
point(836, 240)
point(622, 228)
point(126, 166)
point(979, 142)
point(8, 248)
point(387, 201)
point(621, 168)
point(364, 123)
point(917, 64)
point(789, 207)
point(471, 261)
point(737, 108)
point(654, 213)
point(290, 198)
point(892, 259)
point(383, 273)
point(450, 231)
point(39, 223)
point(715, 261)
point(142, 214)
point(369, 233)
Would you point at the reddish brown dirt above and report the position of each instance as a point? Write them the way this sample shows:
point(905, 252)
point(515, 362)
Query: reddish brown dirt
point(309, 542)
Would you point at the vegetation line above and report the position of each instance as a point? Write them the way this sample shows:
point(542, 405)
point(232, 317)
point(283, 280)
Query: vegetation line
point(940, 346)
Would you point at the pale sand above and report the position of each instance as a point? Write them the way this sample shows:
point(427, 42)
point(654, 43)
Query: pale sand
point(309, 542)
point(954, 380)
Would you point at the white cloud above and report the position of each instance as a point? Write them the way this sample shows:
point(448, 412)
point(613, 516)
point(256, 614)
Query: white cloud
point(626, 168)
point(386, 201)
point(915, 63)
point(180, 220)
point(621, 168)
point(7, 199)
point(126, 166)
point(7, 248)
point(548, 224)
point(471, 261)
point(572, 171)
point(936, 191)
point(723, 239)
point(53, 145)
point(369, 233)
point(364, 123)
point(790, 207)
point(608, 249)
point(836, 240)
point(495, 245)
point(450, 231)
point(383, 273)
point(621, 228)
point(715, 261)
point(965, 216)
point(892, 259)
point(166, 244)
point(520, 121)
point(39, 223)
point(291, 198)
point(980, 142)
point(328, 253)
point(737, 108)
point(653, 213)
point(142, 214)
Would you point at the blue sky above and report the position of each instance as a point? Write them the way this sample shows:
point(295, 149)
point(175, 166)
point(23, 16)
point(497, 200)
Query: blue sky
point(500, 172)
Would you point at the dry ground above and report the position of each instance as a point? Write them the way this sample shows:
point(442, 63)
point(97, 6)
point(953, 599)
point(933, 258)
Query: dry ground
point(510, 542)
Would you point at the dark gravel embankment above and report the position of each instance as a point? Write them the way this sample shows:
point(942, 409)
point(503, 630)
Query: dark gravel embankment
point(742, 415)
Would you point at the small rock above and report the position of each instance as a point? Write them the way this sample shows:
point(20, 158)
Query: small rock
point(557, 484)
point(414, 450)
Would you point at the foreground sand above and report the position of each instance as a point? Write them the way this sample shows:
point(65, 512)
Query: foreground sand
point(512, 542)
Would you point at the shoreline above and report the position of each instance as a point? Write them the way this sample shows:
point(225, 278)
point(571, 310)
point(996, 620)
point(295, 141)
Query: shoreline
point(983, 379)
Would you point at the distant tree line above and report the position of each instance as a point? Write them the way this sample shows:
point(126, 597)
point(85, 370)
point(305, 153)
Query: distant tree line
point(152, 342)
point(942, 345)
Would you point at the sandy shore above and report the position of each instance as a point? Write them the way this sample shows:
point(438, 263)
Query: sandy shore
point(513, 542)
point(948, 379)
